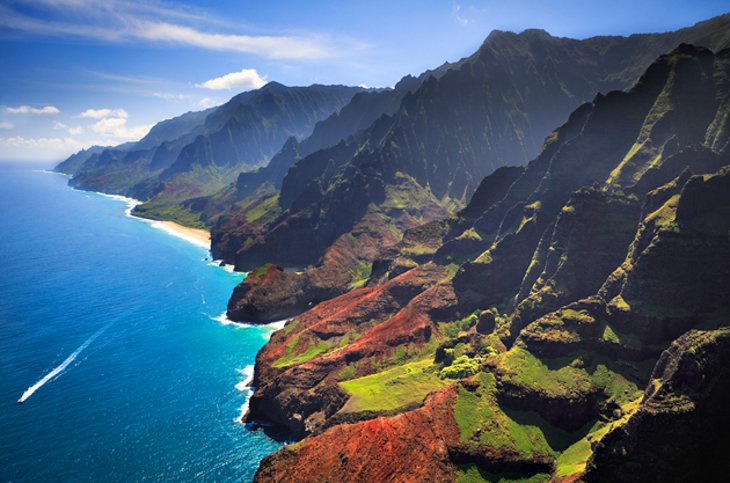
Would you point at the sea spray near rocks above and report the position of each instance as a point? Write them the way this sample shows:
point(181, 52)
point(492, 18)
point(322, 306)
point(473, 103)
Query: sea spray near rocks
point(246, 389)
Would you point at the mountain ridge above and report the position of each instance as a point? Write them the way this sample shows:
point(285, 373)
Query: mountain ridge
point(552, 387)
point(455, 140)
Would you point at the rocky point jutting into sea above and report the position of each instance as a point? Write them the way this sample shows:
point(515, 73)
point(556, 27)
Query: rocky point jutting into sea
point(514, 266)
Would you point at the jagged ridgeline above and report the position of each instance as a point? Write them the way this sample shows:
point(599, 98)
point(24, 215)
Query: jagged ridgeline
point(570, 323)
point(199, 153)
point(339, 207)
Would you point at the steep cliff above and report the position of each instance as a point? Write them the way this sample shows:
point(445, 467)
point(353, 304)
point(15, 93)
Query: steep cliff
point(575, 311)
point(492, 109)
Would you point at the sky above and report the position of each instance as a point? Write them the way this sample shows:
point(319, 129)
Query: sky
point(74, 73)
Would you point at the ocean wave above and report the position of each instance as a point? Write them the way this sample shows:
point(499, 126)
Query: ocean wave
point(224, 320)
point(278, 325)
point(225, 266)
point(246, 389)
point(133, 202)
point(271, 326)
point(247, 373)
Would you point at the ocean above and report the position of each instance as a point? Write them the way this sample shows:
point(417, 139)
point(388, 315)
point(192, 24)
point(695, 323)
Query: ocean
point(111, 333)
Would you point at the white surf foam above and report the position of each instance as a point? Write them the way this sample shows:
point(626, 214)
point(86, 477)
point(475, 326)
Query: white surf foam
point(272, 326)
point(246, 389)
point(224, 320)
point(278, 325)
point(247, 372)
point(225, 266)
point(131, 203)
point(62, 366)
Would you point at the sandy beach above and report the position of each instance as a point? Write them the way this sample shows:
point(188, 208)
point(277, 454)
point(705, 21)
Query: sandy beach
point(198, 235)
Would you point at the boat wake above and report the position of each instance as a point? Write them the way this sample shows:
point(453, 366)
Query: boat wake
point(62, 366)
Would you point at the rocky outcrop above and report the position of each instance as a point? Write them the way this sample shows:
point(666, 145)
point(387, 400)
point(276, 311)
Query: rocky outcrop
point(409, 447)
point(297, 372)
point(678, 433)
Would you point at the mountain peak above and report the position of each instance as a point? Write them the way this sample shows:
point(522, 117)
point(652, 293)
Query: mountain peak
point(273, 85)
point(689, 49)
point(541, 33)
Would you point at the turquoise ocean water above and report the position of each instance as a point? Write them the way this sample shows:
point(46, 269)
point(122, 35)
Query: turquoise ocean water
point(108, 330)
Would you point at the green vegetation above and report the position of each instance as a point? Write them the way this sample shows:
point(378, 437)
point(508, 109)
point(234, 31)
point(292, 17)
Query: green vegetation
point(474, 474)
point(453, 329)
point(292, 357)
point(360, 275)
point(573, 460)
point(264, 211)
point(524, 369)
point(469, 234)
point(347, 372)
point(617, 387)
point(169, 212)
point(290, 325)
point(461, 367)
point(255, 275)
point(393, 388)
point(481, 421)
point(665, 215)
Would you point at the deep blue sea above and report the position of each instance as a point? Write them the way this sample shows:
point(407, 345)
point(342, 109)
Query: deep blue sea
point(113, 321)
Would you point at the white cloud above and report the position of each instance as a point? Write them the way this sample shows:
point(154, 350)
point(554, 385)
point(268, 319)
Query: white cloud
point(154, 21)
point(170, 96)
point(38, 149)
point(112, 124)
point(74, 131)
point(102, 113)
point(271, 46)
point(33, 110)
point(116, 127)
point(207, 102)
point(244, 79)
point(6, 125)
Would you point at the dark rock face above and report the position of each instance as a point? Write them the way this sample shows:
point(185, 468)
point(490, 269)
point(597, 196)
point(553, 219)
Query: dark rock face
point(260, 286)
point(589, 240)
point(679, 431)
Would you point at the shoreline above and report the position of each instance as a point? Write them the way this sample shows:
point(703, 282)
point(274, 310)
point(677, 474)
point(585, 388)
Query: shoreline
point(198, 236)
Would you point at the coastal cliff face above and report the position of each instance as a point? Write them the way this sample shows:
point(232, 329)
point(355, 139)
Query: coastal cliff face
point(574, 313)
point(426, 160)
